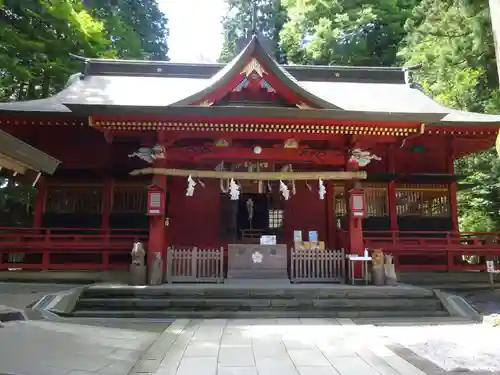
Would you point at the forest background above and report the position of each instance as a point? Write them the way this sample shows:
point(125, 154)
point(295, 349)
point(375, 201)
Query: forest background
point(452, 40)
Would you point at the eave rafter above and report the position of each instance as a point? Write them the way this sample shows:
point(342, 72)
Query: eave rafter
point(305, 128)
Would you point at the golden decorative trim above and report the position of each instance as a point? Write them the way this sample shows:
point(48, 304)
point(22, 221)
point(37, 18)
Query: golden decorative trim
point(253, 66)
point(303, 105)
point(269, 128)
point(206, 103)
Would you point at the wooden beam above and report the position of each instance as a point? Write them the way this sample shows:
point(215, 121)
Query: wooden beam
point(264, 176)
point(13, 165)
point(207, 152)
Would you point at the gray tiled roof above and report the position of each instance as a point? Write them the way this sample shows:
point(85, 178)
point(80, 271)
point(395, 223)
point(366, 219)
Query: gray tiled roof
point(146, 85)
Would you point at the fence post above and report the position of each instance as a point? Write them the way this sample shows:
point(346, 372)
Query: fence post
point(220, 276)
point(292, 264)
point(169, 265)
point(194, 263)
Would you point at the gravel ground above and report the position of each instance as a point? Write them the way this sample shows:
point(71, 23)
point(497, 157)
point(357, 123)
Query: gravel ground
point(473, 347)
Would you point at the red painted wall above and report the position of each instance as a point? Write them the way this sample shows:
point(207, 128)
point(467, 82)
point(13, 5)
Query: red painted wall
point(194, 221)
point(305, 211)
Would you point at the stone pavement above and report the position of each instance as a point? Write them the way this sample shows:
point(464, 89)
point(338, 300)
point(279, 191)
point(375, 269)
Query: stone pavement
point(56, 348)
point(271, 347)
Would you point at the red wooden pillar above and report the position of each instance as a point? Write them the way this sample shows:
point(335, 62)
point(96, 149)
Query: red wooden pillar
point(107, 202)
point(39, 205)
point(157, 244)
point(331, 229)
point(452, 188)
point(355, 226)
point(391, 191)
point(452, 194)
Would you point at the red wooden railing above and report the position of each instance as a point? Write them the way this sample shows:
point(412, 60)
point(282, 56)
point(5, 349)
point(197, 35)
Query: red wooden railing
point(434, 250)
point(66, 248)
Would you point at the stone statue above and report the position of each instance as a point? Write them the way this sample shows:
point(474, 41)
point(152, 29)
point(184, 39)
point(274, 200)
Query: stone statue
point(138, 254)
point(137, 266)
point(156, 270)
point(389, 270)
point(378, 275)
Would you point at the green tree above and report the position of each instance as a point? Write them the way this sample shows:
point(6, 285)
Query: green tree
point(36, 37)
point(453, 41)
point(345, 32)
point(238, 22)
point(136, 29)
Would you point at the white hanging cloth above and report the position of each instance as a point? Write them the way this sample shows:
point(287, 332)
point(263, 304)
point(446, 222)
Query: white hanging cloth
point(234, 190)
point(322, 189)
point(190, 187)
point(284, 190)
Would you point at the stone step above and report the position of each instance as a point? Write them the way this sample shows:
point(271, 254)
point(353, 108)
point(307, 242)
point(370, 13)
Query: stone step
point(414, 321)
point(256, 303)
point(267, 313)
point(238, 291)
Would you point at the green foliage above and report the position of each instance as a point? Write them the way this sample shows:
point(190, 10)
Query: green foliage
point(453, 41)
point(37, 36)
point(15, 203)
point(238, 22)
point(137, 29)
point(341, 32)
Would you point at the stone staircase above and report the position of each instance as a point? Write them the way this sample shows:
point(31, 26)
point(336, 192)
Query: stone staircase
point(257, 301)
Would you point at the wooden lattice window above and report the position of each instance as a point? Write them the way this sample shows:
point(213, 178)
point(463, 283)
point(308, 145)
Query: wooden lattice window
point(130, 199)
point(376, 200)
point(65, 199)
point(276, 218)
point(339, 200)
point(422, 200)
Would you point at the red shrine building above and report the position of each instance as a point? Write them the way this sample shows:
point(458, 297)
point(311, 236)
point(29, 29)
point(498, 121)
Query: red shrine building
point(208, 155)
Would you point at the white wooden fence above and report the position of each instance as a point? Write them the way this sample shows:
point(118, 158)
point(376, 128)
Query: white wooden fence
point(192, 264)
point(316, 266)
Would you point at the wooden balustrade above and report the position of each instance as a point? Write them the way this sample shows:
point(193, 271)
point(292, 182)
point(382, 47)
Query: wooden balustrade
point(66, 248)
point(317, 265)
point(192, 264)
point(441, 250)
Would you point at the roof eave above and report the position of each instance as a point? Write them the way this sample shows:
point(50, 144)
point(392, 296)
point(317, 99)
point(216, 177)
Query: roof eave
point(252, 112)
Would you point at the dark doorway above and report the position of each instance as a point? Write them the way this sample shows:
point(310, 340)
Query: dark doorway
point(259, 220)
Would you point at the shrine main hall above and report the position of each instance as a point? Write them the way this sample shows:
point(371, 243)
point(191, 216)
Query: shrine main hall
point(213, 159)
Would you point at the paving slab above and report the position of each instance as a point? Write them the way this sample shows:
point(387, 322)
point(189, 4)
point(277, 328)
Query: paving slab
point(270, 347)
point(55, 348)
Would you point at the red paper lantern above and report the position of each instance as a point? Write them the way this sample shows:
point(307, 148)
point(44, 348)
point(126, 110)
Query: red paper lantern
point(156, 200)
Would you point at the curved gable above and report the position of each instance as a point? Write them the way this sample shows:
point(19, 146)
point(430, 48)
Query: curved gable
point(254, 66)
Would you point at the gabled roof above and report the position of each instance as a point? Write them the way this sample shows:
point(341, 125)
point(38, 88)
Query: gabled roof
point(114, 86)
point(255, 53)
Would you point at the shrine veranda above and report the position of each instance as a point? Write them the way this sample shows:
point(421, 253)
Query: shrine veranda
point(209, 156)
